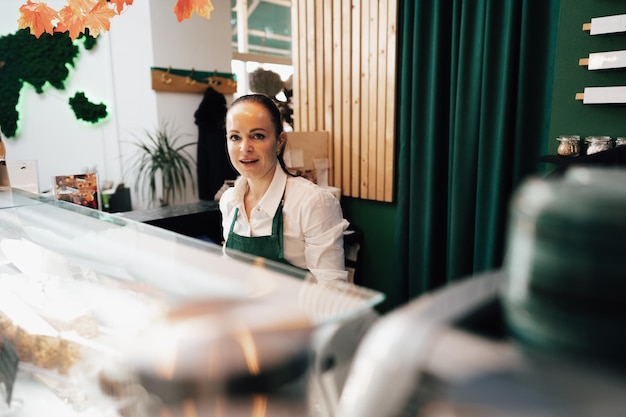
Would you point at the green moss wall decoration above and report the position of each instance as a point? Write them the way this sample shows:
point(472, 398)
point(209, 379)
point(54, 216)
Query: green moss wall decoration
point(85, 110)
point(89, 41)
point(37, 61)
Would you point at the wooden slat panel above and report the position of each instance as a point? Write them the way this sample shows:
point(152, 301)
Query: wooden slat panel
point(346, 52)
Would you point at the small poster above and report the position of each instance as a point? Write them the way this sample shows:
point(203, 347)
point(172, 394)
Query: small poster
point(23, 175)
point(80, 189)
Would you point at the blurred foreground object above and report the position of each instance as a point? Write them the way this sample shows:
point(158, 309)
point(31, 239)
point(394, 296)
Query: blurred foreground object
point(566, 266)
point(541, 337)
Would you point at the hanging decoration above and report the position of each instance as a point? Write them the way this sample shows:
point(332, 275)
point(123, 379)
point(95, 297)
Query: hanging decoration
point(43, 62)
point(93, 15)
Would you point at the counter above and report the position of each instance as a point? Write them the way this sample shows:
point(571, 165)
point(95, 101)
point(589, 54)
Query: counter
point(129, 295)
point(201, 219)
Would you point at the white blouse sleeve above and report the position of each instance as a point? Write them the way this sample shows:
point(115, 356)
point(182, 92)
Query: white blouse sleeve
point(323, 226)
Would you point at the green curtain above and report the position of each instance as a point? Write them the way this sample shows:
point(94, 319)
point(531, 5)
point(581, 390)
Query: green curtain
point(473, 110)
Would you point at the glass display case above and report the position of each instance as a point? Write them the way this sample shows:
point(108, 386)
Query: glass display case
point(105, 312)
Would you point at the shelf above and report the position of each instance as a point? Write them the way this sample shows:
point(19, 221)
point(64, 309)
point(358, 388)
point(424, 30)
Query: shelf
point(611, 157)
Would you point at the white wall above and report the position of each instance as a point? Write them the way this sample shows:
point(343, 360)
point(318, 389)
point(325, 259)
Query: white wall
point(117, 73)
point(194, 43)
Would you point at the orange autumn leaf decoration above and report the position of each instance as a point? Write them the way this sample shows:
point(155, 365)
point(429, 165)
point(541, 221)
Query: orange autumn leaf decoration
point(94, 15)
point(98, 18)
point(38, 17)
point(82, 5)
point(120, 4)
point(185, 8)
point(71, 20)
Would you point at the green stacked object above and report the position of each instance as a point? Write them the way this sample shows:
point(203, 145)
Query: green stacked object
point(566, 264)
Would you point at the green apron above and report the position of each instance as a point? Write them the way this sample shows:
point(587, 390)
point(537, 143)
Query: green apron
point(269, 247)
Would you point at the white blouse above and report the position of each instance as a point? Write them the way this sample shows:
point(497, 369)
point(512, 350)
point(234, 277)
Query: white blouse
point(313, 222)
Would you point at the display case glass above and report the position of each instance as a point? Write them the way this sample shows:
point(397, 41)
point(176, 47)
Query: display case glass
point(71, 276)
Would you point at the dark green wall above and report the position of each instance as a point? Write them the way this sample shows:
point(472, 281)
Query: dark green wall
point(570, 116)
point(377, 221)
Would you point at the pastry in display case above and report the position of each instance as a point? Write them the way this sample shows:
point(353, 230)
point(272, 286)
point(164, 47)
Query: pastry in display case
point(110, 316)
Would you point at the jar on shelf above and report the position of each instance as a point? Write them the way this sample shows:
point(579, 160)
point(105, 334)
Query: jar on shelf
point(620, 141)
point(597, 144)
point(569, 145)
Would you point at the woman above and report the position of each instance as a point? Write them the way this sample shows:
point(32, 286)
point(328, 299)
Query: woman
point(269, 212)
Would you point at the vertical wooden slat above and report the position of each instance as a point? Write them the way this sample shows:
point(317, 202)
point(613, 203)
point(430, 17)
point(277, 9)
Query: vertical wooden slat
point(356, 97)
point(346, 100)
point(303, 81)
point(364, 117)
point(296, 51)
point(320, 29)
point(375, 29)
point(381, 112)
point(327, 51)
point(311, 58)
point(336, 133)
point(391, 102)
point(327, 95)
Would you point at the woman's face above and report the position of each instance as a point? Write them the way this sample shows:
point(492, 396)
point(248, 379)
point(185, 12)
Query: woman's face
point(252, 143)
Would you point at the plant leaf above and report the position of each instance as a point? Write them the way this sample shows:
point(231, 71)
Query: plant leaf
point(38, 17)
point(185, 8)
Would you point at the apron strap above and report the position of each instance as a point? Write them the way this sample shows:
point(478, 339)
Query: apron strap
point(232, 224)
point(277, 227)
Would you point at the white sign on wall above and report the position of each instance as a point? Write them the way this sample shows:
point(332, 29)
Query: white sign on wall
point(606, 24)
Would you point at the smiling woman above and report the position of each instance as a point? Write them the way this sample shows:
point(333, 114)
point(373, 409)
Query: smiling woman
point(79, 15)
point(269, 212)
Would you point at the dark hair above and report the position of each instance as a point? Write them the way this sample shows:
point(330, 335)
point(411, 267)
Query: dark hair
point(275, 115)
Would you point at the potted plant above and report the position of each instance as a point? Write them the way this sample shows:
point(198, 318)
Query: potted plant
point(163, 164)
